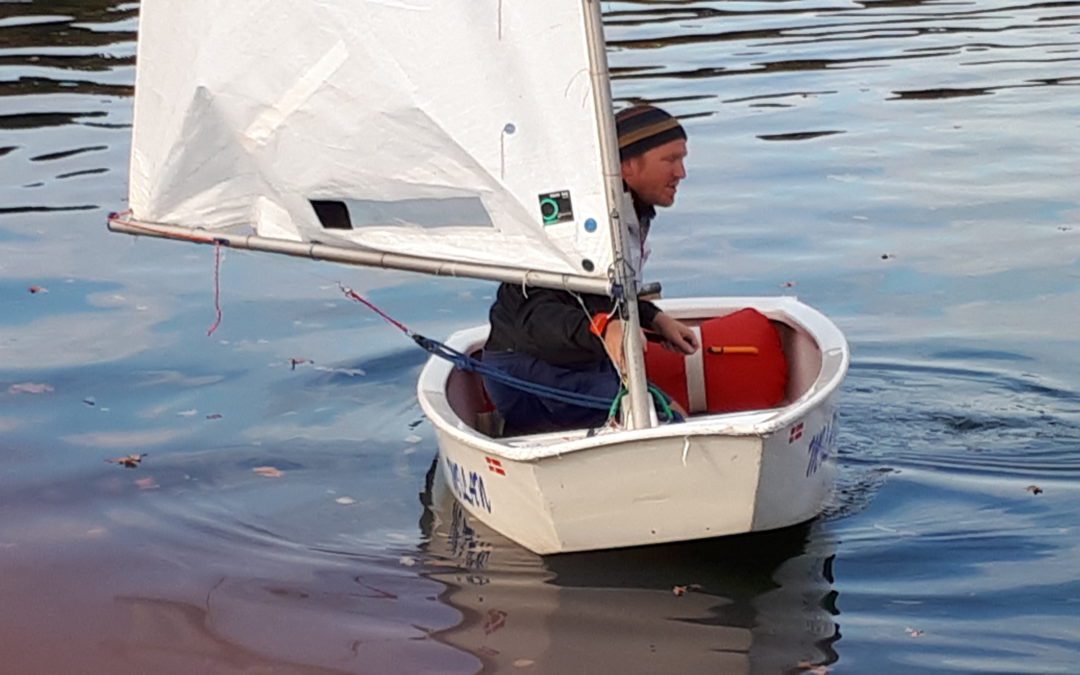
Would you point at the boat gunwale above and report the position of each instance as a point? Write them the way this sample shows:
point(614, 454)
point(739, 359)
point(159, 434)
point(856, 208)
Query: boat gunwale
point(431, 389)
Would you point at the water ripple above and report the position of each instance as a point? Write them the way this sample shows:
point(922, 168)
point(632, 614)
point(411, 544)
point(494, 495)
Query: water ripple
point(961, 420)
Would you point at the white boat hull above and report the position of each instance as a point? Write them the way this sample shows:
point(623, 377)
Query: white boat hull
point(711, 476)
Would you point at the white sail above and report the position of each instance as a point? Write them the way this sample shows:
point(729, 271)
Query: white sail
point(464, 131)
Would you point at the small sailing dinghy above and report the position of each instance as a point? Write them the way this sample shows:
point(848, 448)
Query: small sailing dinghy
point(476, 139)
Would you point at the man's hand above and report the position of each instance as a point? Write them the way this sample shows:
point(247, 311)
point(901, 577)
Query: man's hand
point(677, 334)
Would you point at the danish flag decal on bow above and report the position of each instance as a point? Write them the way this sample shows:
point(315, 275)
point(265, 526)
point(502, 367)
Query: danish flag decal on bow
point(796, 433)
point(495, 465)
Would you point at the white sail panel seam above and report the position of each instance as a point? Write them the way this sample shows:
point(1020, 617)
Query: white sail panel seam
point(267, 122)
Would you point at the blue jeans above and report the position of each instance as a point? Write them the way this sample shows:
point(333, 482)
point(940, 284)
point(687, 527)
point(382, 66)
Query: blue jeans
point(527, 413)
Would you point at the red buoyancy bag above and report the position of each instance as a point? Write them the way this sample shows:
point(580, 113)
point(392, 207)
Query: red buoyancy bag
point(751, 374)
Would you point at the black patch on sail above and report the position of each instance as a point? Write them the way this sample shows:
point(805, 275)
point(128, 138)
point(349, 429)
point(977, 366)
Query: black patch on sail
point(332, 215)
point(555, 207)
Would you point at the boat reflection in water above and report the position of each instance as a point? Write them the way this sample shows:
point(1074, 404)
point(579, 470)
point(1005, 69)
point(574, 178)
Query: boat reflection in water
point(752, 603)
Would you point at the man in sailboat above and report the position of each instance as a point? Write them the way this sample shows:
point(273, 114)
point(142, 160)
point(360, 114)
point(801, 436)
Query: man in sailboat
point(572, 341)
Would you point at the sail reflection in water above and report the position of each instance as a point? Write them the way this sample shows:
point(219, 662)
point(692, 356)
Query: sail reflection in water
point(758, 603)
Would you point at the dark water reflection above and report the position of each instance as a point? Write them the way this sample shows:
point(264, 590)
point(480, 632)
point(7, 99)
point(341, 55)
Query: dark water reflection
point(762, 603)
point(908, 167)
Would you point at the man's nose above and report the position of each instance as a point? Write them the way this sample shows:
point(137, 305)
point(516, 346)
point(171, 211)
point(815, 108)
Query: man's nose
point(680, 170)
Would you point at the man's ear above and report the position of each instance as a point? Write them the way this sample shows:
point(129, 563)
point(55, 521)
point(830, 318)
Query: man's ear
point(629, 168)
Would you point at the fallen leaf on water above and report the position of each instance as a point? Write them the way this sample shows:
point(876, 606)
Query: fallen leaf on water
point(788, 284)
point(129, 461)
point(523, 663)
point(187, 413)
point(268, 471)
point(407, 560)
point(914, 632)
point(147, 483)
point(298, 362)
point(1034, 489)
point(345, 501)
point(886, 256)
point(214, 416)
point(38, 289)
point(682, 590)
point(30, 388)
point(89, 400)
point(413, 438)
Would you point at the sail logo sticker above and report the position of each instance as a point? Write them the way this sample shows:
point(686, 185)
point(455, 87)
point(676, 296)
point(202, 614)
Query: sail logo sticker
point(468, 486)
point(822, 446)
point(555, 207)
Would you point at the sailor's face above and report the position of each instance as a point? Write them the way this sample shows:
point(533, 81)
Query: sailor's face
point(655, 174)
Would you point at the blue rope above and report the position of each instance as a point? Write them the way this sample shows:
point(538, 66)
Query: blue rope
point(469, 364)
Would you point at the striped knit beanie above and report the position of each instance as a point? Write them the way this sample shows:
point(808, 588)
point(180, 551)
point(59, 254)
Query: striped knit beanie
point(644, 127)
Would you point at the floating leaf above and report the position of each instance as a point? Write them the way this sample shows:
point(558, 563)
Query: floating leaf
point(30, 388)
point(413, 438)
point(129, 461)
point(915, 632)
point(268, 471)
point(345, 501)
point(682, 590)
point(89, 400)
point(188, 413)
point(38, 289)
point(523, 663)
point(1034, 489)
point(294, 362)
point(214, 416)
point(788, 284)
point(407, 561)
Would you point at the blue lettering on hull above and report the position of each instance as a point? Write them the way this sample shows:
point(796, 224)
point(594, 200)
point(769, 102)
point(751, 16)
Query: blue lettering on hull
point(468, 486)
point(822, 446)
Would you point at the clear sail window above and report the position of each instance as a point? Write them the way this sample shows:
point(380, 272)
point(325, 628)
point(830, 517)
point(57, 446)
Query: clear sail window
point(351, 214)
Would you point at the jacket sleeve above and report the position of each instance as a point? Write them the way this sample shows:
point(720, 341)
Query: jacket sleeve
point(558, 325)
point(647, 312)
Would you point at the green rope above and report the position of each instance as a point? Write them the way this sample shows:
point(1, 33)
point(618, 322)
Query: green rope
point(665, 406)
point(662, 400)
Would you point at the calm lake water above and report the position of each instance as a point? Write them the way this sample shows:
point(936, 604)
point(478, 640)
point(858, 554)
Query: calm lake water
point(907, 167)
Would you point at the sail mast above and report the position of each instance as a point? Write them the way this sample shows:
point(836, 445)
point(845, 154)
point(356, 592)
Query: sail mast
point(624, 274)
